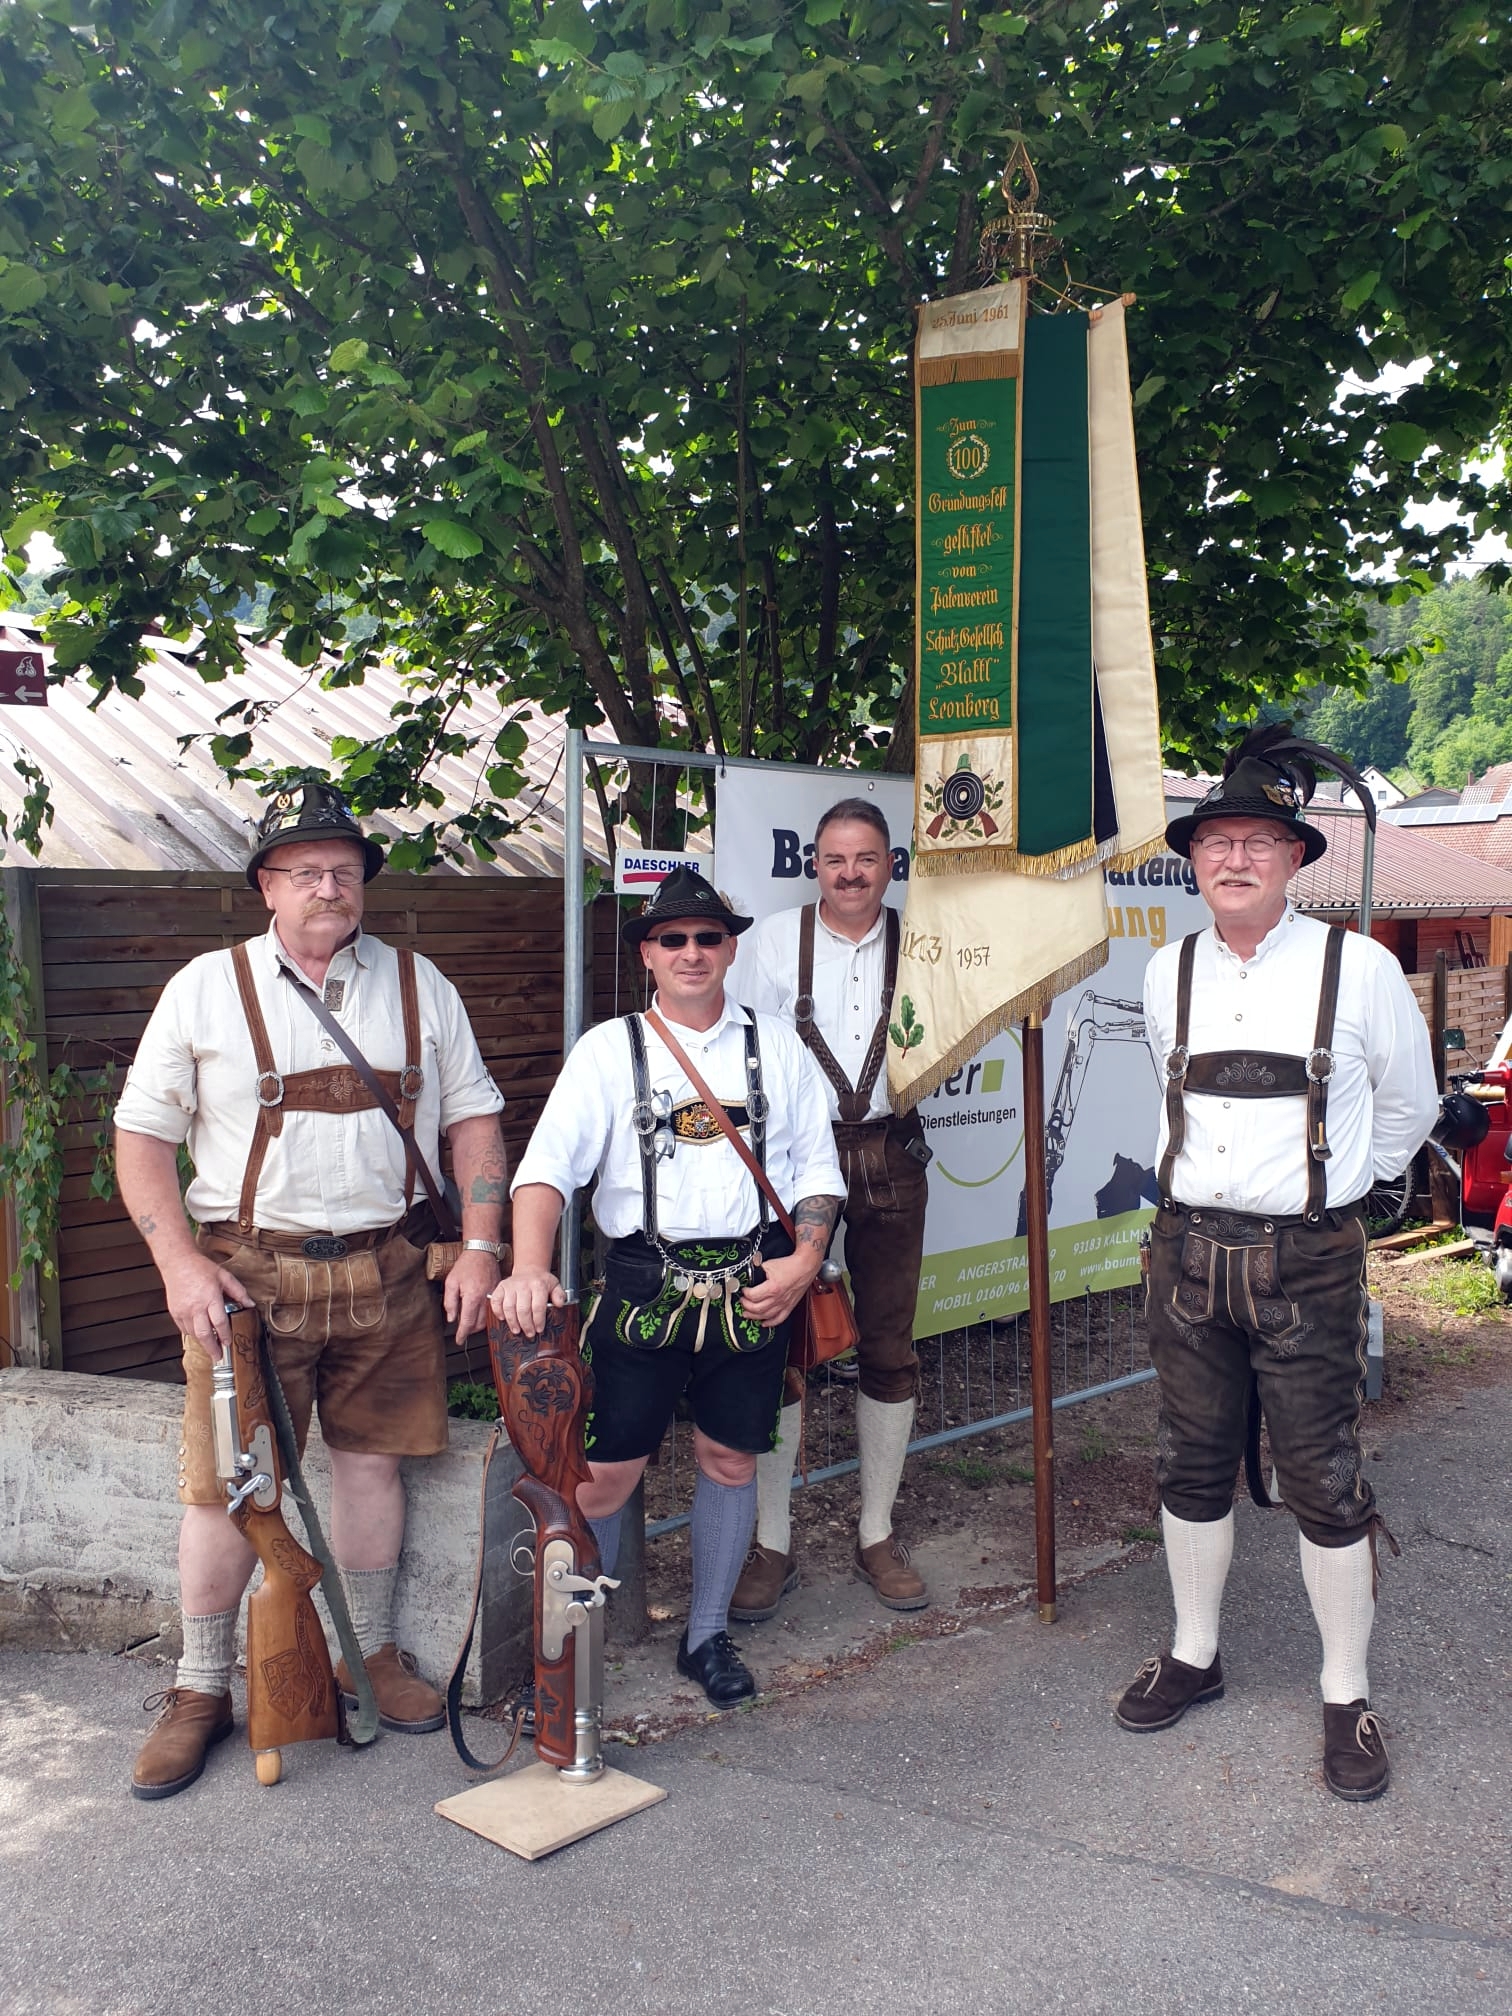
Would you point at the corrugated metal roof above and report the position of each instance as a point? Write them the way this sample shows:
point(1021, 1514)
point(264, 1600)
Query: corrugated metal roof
point(125, 795)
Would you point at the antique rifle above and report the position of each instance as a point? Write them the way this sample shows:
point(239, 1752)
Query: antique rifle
point(545, 1391)
point(291, 1689)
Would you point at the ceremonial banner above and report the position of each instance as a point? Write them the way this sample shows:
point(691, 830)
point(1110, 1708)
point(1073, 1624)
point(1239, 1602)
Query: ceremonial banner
point(1038, 745)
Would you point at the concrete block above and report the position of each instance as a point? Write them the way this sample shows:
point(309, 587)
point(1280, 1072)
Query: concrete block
point(1375, 1351)
point(89, 1529)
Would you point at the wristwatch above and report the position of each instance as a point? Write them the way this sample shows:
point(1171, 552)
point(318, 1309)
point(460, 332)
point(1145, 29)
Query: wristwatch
point(483, 1246)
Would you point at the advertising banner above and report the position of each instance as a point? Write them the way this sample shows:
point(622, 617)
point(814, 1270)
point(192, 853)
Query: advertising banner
point(1102, 1091)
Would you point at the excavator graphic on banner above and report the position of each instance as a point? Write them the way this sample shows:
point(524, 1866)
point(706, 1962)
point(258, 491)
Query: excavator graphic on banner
point(1096, 1018)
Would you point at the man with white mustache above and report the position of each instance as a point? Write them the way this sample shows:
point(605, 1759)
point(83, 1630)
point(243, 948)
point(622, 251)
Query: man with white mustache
point(1298, 1073)
point(829, 969)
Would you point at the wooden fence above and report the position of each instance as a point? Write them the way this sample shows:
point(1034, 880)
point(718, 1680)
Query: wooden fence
point(1479, 1000)
point(100, 947)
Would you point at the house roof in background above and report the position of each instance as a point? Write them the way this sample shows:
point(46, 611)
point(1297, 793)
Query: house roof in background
point(1415, 875)
point(125, 795)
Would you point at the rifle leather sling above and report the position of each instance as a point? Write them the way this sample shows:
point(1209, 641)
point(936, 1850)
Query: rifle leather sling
point(1256, 1074)
point(855, 1100)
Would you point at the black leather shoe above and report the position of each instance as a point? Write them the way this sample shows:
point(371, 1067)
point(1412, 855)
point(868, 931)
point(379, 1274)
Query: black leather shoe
point(1355, 1764)
point(718, 1668)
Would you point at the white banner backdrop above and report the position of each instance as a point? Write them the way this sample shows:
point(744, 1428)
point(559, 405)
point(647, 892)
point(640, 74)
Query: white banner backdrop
point(1102, 1093)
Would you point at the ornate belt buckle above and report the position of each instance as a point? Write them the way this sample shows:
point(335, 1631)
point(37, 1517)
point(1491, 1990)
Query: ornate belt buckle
point(322, 1246)
point(273, 1098)
point(1176, 1063)
point(1320, 1077)
point(411, 1082)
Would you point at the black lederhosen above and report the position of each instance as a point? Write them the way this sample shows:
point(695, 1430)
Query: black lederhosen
point(1242, 1303)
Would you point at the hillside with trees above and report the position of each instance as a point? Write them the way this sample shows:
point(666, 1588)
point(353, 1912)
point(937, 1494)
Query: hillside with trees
point(1449, 717)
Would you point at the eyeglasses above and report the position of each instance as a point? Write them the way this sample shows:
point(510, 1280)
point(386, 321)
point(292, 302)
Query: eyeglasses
point(674, 941)
point(345, 877)
point(1258, 846)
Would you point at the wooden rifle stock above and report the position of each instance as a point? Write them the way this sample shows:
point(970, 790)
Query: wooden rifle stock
point(291, 1689)
point(545, 1392)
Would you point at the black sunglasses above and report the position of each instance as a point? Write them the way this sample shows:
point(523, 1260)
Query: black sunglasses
point(674, 941)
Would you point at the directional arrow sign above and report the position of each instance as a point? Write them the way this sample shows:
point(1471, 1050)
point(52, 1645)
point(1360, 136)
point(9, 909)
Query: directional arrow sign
point(23, 679)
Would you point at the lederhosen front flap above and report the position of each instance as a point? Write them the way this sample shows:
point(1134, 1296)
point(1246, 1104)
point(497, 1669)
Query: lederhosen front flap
point(855, 1100)
point(334, 1088)
point(1255, 1074)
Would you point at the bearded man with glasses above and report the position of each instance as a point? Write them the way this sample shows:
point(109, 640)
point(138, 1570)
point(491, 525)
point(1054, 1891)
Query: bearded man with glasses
point(1298, 1073)
point(305, 1205)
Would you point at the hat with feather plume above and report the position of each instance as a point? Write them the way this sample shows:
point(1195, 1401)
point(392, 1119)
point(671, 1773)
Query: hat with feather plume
point(1271, 775)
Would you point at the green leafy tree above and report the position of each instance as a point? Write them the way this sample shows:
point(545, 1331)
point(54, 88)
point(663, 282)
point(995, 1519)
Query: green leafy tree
point(562, 350)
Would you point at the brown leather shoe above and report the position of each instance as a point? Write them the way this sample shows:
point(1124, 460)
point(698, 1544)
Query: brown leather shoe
point(406, 1704)
point(174, 1754)
point(765, 1579)
point(1355, 1764)
point(1163, 1689)
point(885, 1564)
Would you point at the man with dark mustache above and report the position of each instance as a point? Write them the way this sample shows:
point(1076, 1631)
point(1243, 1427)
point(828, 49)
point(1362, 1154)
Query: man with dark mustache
point(1298, 1072)
point(300, 1193)
point(829, 969)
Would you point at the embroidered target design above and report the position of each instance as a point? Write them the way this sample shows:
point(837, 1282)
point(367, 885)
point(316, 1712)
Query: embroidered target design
point(964, 795)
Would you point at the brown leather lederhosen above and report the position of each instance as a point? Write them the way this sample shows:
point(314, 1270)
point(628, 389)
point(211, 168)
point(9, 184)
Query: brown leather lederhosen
point(334, 1088)
point(1219, 1273)
point(1255, 1074)
point(885, 1186)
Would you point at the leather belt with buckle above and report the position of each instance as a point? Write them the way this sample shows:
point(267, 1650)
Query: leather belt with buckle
point(324, 1246)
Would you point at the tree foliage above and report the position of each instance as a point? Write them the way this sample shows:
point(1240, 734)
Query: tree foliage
point(562, 349)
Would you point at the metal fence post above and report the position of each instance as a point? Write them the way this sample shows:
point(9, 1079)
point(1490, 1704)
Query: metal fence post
point(572, 961)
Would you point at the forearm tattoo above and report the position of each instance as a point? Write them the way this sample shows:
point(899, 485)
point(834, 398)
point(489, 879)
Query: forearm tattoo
point(490, 1176)
point(814, 1220)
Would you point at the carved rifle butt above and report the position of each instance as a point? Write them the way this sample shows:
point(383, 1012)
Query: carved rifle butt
point(545, 1393)
point(291, 1689)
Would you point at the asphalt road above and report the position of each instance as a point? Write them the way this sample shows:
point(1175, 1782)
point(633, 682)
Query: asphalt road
point(961, 1827)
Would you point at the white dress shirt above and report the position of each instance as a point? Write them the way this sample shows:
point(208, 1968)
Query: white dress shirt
point(703, 1190)
point(195, 1074)
point(1382, 1099)
point(848, 977)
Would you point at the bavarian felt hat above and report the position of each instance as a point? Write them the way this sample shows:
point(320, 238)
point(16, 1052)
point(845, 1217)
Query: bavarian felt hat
point(684, 893)
point(310, 812)
point(1271, 776)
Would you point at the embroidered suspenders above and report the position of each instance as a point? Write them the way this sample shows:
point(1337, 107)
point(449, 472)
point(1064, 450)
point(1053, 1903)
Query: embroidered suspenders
point(651, 1116)
point(335, 1088)
point(1256, 1074)
point(854, 1100)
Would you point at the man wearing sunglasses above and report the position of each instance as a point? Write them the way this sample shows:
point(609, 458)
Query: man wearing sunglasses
point(700, 1280)
point(1298, 1072)
point(302, 1195)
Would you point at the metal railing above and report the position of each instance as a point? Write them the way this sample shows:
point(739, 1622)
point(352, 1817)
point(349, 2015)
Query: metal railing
point(972, 1382)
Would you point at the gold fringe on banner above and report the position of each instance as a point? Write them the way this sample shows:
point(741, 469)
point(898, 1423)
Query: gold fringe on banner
point(1136, 857)
point(1062, 864)
point(1033, 1001)
point(965, 369)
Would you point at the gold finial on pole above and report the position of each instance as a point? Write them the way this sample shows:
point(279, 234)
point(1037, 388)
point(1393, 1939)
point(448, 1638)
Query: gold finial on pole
point(1016, 243)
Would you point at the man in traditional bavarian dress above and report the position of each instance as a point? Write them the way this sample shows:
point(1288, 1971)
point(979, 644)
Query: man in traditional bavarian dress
point(1298, 1072)
point(829, 968)
point(301, 1192)
point(700, 1280)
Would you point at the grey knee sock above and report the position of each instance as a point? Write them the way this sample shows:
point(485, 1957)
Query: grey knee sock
point(370, 1598)
point(607, 1533)
point(724, 1517)
point(209, 1652)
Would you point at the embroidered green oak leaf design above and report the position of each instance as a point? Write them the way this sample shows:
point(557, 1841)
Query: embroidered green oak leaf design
point(910, 1034)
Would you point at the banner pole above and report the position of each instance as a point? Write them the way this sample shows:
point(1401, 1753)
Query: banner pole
point(572, 959)
point(1037, 1225)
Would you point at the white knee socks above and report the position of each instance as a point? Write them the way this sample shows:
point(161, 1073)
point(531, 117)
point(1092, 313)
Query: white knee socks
point(774, 1485)
point(882, 1428)
point(1339, 1585)
point(1198, 1553)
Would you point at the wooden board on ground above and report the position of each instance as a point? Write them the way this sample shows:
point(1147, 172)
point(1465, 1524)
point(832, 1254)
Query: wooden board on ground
point(1415, 1235)
point(536, 1811)
point(1457, 1249)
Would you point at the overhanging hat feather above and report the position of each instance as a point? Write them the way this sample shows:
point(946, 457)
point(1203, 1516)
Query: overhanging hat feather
point(1272, 775)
